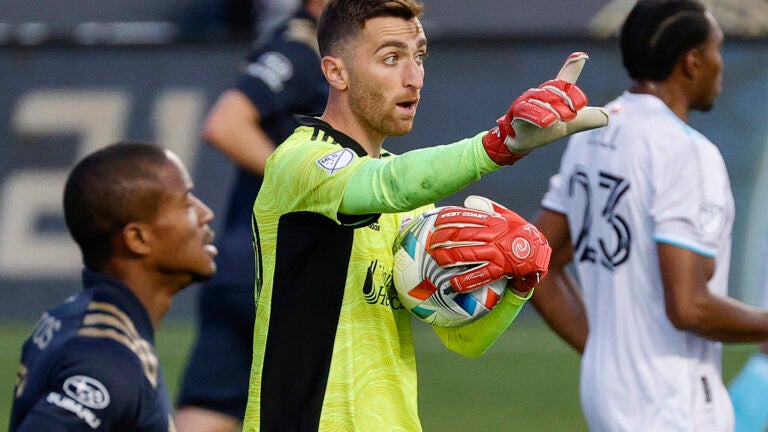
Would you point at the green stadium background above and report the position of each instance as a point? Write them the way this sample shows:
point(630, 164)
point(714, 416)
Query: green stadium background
point(63, 94)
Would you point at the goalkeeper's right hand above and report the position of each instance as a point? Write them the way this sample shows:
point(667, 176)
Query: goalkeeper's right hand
point(493, 241)
point(553, 110)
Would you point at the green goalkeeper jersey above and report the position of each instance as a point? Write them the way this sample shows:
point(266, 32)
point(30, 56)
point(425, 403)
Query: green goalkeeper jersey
point(333, 348)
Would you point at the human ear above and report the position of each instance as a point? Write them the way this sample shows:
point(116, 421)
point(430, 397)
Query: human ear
point(690, 63)
point(335, 72)
point(135, 237)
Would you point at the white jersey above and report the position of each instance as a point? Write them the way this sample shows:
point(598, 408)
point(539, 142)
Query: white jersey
point(645, 178)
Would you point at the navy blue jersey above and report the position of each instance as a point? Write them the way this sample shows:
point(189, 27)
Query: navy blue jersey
point(90, 365)
point(281, 78)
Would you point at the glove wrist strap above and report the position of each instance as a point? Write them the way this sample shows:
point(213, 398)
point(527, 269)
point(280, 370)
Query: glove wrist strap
point(497, 150)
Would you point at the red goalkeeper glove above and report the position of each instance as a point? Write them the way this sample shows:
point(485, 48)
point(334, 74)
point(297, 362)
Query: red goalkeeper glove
point(541, 115)
point(492, 239)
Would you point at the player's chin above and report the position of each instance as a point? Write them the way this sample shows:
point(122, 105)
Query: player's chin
point(206, 266)
point(401, 128)
point(206, 272)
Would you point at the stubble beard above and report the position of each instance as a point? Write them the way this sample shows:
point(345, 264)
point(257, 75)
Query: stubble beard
point(370, 105)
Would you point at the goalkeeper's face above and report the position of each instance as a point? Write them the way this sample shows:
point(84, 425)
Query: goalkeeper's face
point(386, 74)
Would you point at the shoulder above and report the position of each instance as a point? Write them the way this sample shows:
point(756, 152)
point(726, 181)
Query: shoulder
point(297, 41)
point(280, 64)
point(303, 32)
point(314, 155)
point(99, 383)
point(97, 370)
point(311, 146)
point(108, 357)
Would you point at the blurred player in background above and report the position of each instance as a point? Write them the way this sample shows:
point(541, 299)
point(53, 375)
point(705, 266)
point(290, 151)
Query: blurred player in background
point(90, 364)
point(644, 210)
point(270, 15)
point(280, 78)
point(749, 389)
point(333, 348)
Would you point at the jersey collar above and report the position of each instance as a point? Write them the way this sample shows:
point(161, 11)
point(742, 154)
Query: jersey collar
point(340, 137)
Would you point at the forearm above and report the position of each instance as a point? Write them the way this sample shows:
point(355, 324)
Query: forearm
point(690, 305)
point(474, 339)
point(559, 303)
point(416, 178)
point(558, 297)
point(727, 320)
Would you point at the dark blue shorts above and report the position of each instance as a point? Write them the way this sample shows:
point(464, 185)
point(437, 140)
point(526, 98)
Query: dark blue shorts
point(219, 368)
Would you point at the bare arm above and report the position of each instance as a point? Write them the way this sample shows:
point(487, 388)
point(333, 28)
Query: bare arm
point(557, 297)
point(690, 306)
point(232, 126)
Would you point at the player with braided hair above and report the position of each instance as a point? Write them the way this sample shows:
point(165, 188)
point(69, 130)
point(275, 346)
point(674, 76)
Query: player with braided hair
point(643, 209)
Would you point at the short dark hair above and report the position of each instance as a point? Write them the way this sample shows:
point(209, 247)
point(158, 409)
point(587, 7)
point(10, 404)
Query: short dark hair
point(656, 33)
point(107, 190)
point(343, 19)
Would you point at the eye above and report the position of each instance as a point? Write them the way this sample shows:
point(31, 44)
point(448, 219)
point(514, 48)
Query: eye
point(390, 59)
point(190, 200)
point(421, 57)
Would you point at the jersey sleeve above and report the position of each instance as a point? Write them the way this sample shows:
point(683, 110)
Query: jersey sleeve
point(94, 386)
point(684, 208)
point(416, 178)
point(474, 339)
point(275, 78)
point(556, 197)
point(335, 181)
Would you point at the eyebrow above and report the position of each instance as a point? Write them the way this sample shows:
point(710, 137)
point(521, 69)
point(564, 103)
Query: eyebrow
point(400, 44)
point(187, 193)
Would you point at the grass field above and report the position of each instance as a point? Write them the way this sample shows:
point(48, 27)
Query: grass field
point(527, 382)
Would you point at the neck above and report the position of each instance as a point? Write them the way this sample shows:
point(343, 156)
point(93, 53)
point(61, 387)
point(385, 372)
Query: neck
point(155, 292)
point(343, 120)
point(668, 92)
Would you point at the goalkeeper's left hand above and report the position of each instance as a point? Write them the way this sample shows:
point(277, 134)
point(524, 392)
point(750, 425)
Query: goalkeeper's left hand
point(494, 240)
point(541, 115)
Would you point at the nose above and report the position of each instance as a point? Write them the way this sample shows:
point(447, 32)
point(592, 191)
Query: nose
point(413, 74)
point(204, 213)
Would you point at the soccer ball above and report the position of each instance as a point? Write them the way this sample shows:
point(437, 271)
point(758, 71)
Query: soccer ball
point(425, 288)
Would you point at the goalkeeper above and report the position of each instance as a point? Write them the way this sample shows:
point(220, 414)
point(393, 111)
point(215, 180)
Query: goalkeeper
point(333, 348)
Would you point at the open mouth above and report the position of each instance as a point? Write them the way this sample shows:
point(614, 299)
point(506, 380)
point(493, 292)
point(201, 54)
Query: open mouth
point(208, 243)
point(409, 106)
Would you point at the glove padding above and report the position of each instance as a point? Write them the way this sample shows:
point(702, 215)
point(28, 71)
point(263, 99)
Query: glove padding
point(555, 109)
point(494, 240)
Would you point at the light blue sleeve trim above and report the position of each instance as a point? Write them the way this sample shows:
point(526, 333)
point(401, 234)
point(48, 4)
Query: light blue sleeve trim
point(698, 250)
